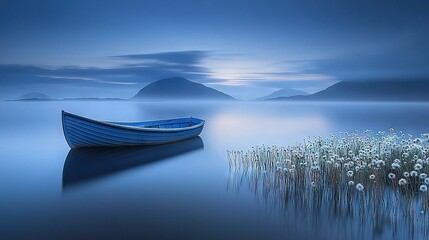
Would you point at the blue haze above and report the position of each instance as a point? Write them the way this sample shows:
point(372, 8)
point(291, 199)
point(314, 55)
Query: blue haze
point(247, 49)
point(178, 191)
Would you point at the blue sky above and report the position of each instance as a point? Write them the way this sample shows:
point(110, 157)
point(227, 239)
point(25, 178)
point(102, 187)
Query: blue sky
point(244, 48)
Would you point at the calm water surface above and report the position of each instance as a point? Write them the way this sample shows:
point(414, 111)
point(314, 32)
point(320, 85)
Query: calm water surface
point(176, 191)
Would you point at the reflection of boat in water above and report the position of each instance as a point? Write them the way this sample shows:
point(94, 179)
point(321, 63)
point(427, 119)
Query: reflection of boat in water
point(83, 164)
point(84, 132)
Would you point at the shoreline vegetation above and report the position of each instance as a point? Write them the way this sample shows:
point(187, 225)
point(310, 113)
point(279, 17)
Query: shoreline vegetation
point(366, 175)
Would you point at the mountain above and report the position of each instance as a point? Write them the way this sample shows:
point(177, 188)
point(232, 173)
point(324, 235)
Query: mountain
point(92, 99)
point(285, 92)
point(179, 88)
point(394, 90)
point(34, 96)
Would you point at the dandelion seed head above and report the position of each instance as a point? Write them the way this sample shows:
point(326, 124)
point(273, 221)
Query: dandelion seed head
point(402, 182)
point(406, 174)
point(315, 168)
point(413, 174)
point(350, 173)
point(395, 166)
point(423, 188)
point(372, 176)
point(418, 166)
point(391, 175)
point(360, 187)
point(380, 163)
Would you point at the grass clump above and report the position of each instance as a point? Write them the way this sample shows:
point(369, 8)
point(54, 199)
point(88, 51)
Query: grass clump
point(364, 172)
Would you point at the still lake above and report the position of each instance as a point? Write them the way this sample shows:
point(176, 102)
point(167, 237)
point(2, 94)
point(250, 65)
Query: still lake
point(175, 191)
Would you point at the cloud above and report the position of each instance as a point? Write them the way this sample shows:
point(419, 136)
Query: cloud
point(180, 57)
point(242, 71)
point(220, 70)
point(144, 68)
point(200, 66)
point(406, 57)
point(86, 79)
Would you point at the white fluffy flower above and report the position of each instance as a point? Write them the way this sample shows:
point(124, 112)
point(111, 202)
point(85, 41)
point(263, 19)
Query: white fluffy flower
point(351, 183)
point(359, 187)
point(427, 181)
point(418, 166)
point(423, 176)
point(414, 174)
point(406, 174)
point(391, 176)
point(402, 182)
point(315, 168)
point(350, 173)
point(372, 176)
point(380, 163)
point(395, 165)
point(423, 188)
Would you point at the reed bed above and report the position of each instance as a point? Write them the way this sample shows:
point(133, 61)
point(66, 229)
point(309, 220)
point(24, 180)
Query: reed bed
point(362, 174)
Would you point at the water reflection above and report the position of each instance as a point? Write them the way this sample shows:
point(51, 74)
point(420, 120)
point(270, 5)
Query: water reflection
point(85, 164)
point(332, 211)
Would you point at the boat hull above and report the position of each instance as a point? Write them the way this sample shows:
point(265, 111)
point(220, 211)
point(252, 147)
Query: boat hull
point(84, 132)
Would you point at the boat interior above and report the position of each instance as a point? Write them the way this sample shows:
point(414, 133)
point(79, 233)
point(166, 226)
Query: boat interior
point(166, 124)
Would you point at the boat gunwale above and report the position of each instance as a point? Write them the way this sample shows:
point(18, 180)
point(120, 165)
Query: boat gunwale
point(128, 127)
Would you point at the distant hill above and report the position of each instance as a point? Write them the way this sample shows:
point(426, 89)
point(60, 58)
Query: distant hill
point(34, 96)
point(179, 88)
point(285, 92)
point(92, 99)
point(395, 90)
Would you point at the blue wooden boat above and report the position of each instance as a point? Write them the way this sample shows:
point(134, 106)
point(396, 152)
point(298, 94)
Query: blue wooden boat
point(85, 132)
